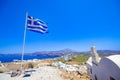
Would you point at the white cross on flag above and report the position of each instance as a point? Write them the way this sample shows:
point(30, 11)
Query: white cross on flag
point(36, 25)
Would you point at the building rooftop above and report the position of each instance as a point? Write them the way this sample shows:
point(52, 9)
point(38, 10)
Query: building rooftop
point(115, 59)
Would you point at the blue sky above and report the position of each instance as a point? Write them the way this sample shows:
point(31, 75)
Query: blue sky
point(75, 24)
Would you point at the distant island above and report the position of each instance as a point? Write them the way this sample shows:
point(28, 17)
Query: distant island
point(52, 54)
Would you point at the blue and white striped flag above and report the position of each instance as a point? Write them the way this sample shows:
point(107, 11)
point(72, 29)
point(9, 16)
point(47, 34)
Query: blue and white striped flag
point(36, 25)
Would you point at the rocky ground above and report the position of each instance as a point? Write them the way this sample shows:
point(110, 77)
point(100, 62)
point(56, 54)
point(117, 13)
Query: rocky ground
point(67, 75)
point(43, 72)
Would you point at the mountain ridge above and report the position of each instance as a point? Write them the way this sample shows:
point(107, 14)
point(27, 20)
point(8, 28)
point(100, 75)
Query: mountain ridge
point(52, 54)
point(67, 51)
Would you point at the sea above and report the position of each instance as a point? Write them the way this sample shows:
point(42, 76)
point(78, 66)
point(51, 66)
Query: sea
point(12, 57)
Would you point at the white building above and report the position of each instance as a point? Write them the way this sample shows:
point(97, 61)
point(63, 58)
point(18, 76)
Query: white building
point(107, 68)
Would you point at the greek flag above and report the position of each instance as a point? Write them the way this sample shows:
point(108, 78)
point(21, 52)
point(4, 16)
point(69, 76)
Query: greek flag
point(36, 25)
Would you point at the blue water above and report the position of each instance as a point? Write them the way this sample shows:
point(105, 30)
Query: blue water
point(11, 57)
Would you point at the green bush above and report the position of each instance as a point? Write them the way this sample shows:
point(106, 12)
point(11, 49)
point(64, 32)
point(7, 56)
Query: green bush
point(1, 71)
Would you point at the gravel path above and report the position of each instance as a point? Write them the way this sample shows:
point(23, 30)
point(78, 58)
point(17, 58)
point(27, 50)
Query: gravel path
point(43, 73)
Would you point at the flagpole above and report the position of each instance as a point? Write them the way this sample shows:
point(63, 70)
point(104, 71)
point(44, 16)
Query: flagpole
point(23, 47)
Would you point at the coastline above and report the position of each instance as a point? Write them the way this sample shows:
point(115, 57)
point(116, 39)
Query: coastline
point(5, 58)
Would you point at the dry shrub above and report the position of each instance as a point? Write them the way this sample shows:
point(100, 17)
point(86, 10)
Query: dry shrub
point(30, 65)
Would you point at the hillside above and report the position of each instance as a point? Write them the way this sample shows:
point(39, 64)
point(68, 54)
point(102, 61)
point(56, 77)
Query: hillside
point(52, 54)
